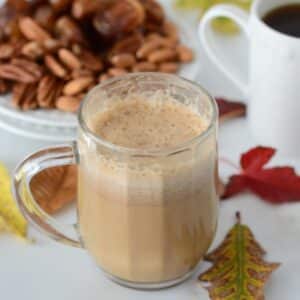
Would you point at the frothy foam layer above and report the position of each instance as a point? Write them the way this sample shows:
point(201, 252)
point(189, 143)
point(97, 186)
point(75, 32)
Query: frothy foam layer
point(148, 124)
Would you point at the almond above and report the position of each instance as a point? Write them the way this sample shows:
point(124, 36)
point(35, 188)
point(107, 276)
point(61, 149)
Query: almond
point(77, 86)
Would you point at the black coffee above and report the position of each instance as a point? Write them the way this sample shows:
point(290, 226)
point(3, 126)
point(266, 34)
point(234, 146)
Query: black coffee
point(285, 19)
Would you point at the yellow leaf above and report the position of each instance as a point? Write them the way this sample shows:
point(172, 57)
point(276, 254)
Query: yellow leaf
point(2, 224)
point(221, 24)
point(10, 216)
point(239, 271)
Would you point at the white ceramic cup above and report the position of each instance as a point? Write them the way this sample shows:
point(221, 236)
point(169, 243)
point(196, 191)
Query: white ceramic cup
point(273, 89)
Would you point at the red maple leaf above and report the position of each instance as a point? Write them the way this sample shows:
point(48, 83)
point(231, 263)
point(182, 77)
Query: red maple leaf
point(230, 109)
point(275, 184)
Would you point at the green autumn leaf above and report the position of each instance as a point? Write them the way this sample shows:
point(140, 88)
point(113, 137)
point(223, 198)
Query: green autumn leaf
point(10, 217)
point(222, 24)
point(239, 271)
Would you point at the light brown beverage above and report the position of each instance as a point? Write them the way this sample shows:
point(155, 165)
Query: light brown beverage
point(148, 219)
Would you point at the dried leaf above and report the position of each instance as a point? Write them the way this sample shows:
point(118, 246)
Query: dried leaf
point(10, 217)
point(275, 184)
point(55, 187)
point(238, 271)
point(229, 109)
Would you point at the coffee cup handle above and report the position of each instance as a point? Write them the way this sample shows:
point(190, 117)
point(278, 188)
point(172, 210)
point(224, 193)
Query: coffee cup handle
point(206, 34)
point(32, 165)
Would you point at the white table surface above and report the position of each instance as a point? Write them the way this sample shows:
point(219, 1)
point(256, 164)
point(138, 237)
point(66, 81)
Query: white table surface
point(47, 270)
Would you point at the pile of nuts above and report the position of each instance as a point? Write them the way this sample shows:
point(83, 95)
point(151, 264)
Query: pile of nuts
point(53, 51)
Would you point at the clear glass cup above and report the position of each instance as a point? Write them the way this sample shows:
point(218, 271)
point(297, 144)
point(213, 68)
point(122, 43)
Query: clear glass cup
point(147, 217)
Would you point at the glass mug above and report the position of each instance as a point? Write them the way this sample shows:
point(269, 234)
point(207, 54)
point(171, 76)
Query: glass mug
point(146, 217)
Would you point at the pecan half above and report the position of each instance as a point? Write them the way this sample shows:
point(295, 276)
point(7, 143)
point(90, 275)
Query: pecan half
point(68, 103)
point(21, 70)
point(60, 5)
point(91, 61)
point(55, 66)
point(185, 54)
point(144, 66)
point(154, 11)
point(18, 5)
point(45, 16)
point(103, 77)
point(120, 17)
point(51, 45)
point(128, 44)
point(168, 67)
point(170, 30)
point(69, 59)
point(81, 73)
point(124, 60)
point(4, 86)
point(24, 96)
point(30, 101)
point(115, 72)
point(33, 50)
point(77, 86)
point(148, 47)
point(32, 30)
point(28, 65)
point(6, 51)
point(162, 55)
point(83, 8)
point(17, 94)
point(49, 89)
point(69, 30)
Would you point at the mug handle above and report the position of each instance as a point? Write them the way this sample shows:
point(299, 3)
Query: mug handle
point(205, 32)
point(32, 165)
